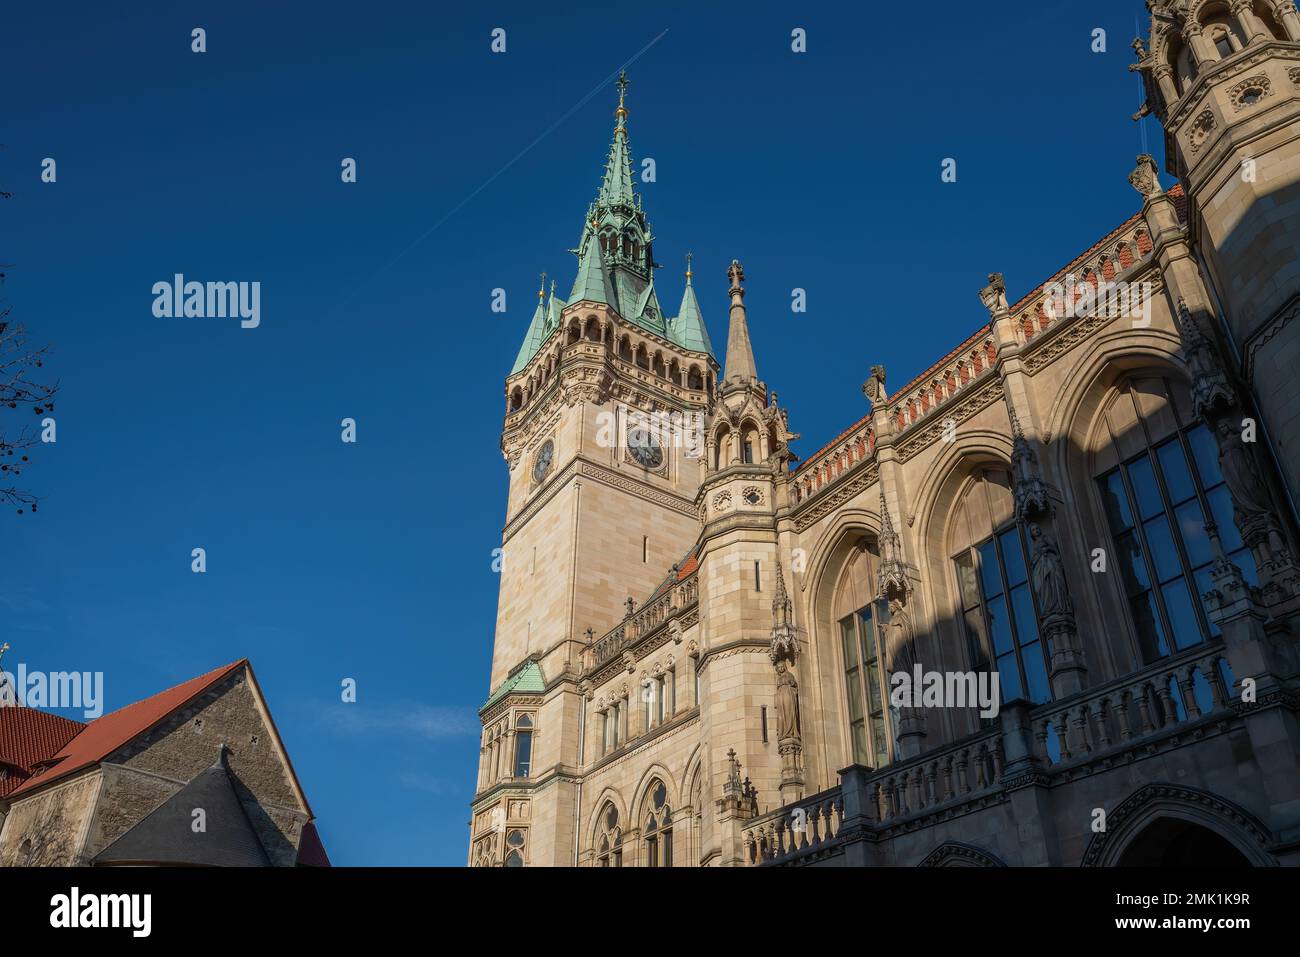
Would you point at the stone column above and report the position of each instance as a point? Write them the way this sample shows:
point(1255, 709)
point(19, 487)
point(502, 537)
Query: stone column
point(1285, 12)
point(1025, 782)
point(1203, 53)
point(1251, 25)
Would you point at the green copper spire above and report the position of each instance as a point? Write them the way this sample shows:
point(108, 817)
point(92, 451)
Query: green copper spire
point(616, 189)
point(688, 328)
point(592, 284)
point(536, 333)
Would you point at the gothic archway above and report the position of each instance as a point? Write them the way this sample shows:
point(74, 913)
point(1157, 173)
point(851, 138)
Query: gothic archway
point(1198, 821)
point(957, 854)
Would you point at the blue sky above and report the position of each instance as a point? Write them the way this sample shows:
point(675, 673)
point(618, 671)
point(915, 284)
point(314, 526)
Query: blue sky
point(373, 561)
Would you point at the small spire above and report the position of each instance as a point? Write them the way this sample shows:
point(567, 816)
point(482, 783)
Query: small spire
point(689, 274)
point(740, 354)
point(620, 115)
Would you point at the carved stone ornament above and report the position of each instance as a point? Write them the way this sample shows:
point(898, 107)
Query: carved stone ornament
point(1032, 494)
point(1211, 391)
point(994, 295)
point(1144, 178)
point(874, 387)
point(893, 578)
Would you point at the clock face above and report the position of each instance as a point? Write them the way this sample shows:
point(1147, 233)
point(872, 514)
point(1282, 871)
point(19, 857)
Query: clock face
point(645, 449)
point(543, 460)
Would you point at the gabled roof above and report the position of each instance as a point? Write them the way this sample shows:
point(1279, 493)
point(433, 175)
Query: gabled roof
point(107, 734)
point(167, 835)
point(527, 680)
point(28, 737)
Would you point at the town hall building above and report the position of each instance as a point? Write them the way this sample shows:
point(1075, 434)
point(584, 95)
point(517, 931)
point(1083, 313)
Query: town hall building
point(1073, 536)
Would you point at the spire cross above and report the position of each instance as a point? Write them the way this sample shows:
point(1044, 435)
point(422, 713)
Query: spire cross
point(621, 113)
point(541, 290)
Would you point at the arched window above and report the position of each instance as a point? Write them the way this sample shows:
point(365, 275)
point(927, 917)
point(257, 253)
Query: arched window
point(658, 831)
point(523, 746)
point(749, 450)
point(609, 838)
point(694, 380)
point(515, 843)
point(1158, 472)
point(860, 615)
point(991, 560)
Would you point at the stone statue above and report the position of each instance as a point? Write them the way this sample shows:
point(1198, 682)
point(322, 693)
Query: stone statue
point(1049, 575)
point(787, 703)
point(1241, 473)
point(900, 652)
point(874, 387)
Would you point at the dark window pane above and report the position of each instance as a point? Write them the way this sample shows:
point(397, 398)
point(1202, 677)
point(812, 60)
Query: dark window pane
point(1145, 488)
point(1013, 557)
point(990, 577)
point(855, 693)
point(1178, 480)
point(1182, 615)
point(1161, 543)
point(1131, 564)
point(1151, 636)
point(980, 653)
point(1191, 527)
point(1022, 602)
point(868, 634)
point(1116, 501)
point(1036, 673)
point(1206, 454)
point(1221, 509)
point(850, 642)
point(966, 583)
point(1009, 677)
point(1000, 626)
point(880, 741)
point(873, 686)
point(523, 753)
point(860, 752)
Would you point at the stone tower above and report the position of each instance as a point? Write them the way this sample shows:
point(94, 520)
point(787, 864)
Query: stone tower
point(1223, 77)
point(744, 614)
point(603, 436)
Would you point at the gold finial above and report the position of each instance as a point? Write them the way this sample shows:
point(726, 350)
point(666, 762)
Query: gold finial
point(541, 291)
point(621, 113)
point(688, 269)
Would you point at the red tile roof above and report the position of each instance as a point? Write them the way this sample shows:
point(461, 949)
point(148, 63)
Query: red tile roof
point(28, 737)
point(106, 734)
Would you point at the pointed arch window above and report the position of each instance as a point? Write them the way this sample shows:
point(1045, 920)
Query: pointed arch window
point(658, 831)
point(1158, 475)
point(865, 682)
point(1000, 612)
point(609, 838)
point(523, 746)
